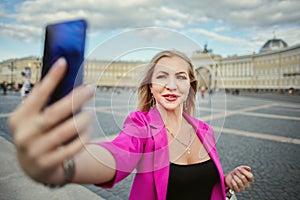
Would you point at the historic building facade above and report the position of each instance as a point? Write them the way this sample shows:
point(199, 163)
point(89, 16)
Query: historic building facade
point(274, 68)
point(107, 74)
point(117, 74)
point(12, 70)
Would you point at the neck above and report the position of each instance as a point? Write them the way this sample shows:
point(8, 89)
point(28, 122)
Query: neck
point(172, 119)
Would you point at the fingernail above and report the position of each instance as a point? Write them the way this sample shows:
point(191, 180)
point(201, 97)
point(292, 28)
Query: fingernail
point(247, 168)
point(61, 61)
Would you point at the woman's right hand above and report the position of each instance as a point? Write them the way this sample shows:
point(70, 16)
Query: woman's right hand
point(40, 135)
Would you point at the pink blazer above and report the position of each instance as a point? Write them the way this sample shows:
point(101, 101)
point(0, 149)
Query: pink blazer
point(142, 147)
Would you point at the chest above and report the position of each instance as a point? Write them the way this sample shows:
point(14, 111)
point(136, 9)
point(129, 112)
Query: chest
point(187, 151)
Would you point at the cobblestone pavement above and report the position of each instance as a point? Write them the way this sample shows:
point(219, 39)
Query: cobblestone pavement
point(258, 132)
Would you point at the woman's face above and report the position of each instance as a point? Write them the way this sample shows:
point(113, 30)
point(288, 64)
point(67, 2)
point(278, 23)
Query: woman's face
point(170, 82)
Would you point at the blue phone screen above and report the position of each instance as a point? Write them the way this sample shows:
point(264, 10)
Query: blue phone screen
point(66, 39)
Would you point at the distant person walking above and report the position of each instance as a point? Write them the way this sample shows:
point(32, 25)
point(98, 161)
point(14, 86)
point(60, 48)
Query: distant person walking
point(27, 85)
point(202, 91)
point(4, 86)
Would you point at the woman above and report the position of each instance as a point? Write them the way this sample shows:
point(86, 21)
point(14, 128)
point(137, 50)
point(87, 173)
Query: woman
point(174, 154)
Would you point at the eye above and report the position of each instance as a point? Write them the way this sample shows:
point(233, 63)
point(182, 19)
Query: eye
point(161, 76)
point(181, 77)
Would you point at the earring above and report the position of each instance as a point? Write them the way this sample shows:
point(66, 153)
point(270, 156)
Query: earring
point(152, 102)
point(184, 105)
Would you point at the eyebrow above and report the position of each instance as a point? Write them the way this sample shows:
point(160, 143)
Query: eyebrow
point(180, 72)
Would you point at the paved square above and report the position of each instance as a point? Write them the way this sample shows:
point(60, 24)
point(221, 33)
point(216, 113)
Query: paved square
point(251, 130)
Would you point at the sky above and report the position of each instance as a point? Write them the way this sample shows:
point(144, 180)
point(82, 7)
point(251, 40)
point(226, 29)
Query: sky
point(121, 28)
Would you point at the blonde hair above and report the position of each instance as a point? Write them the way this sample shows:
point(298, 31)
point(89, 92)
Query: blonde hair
point(146, 99)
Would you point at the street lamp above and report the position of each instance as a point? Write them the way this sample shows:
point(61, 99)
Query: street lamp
point(11, 67)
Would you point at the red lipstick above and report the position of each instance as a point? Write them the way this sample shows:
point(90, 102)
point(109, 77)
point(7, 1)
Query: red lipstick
point(170, 97)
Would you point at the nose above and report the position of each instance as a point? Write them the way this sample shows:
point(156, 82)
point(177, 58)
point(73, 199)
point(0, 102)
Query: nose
point(171, 84)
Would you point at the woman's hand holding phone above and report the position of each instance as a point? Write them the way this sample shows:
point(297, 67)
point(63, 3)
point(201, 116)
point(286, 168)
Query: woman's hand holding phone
point(39, 133)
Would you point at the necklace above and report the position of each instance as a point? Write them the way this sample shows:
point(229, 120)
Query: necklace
point(187, 146)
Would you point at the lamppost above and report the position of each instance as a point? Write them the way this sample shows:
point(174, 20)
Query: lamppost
point(11, 67)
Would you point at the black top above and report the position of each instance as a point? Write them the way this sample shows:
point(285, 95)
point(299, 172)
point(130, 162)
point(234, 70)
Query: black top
point(193, 181)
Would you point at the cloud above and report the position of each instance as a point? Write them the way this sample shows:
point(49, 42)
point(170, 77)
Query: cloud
point(221, 28)
point(106, 14)
point(222, 38)
point(173, 13)
point(101, 14)
point(22, 32)
point(219, 20)
point(290, 35)
point(2, 12)
point(242, 14)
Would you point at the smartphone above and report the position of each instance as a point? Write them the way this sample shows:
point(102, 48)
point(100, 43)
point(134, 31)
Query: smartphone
point(65, 39)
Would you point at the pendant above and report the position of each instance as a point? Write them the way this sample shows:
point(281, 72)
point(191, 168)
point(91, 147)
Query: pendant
point(189, 150)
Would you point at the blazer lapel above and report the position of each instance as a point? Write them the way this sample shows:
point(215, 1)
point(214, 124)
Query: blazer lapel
point(204, 132)
point(206, 136)
point(161, 157)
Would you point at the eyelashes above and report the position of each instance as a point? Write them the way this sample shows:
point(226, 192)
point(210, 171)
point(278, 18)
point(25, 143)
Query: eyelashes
point(161, 77)
point(179, 77)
